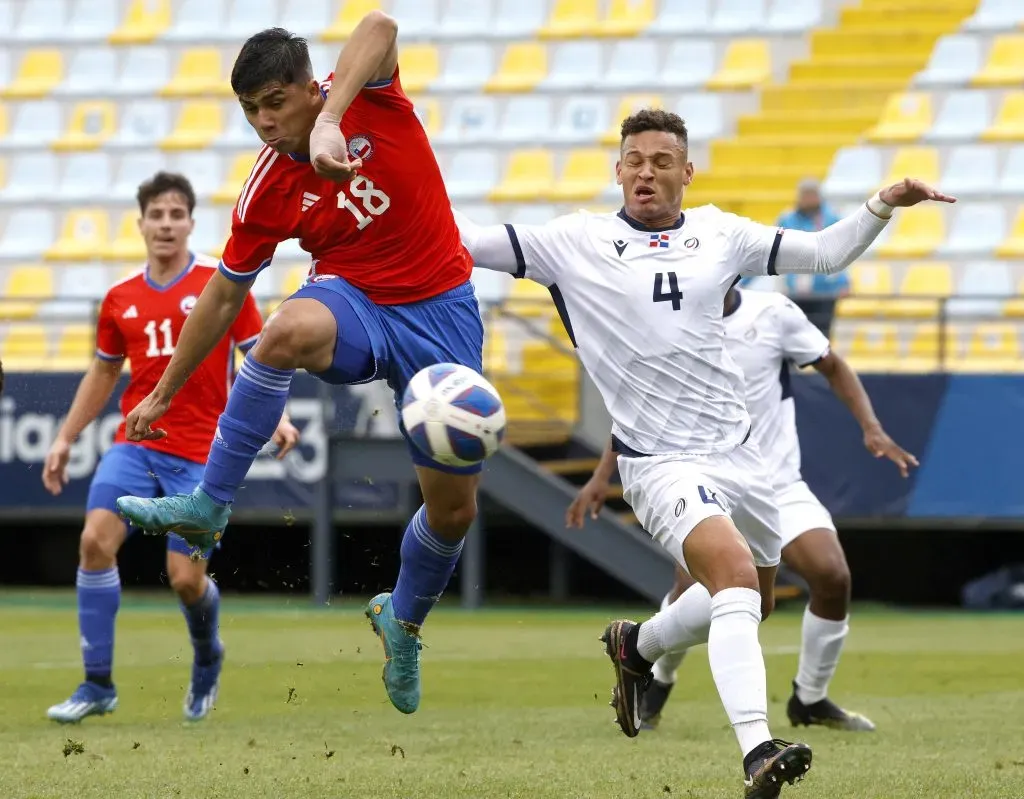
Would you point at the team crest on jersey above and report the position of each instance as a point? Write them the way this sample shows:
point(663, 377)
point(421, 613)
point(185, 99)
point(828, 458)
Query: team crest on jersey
point(659, 240)
point(187, 304)
point(692, 243)
point(360, 147)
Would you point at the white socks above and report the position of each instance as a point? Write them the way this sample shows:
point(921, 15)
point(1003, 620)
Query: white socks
point(737, 664)
point(682, 624)
point(820, 648)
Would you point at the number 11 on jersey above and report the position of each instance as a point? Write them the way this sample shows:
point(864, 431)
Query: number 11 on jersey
point(372, 200)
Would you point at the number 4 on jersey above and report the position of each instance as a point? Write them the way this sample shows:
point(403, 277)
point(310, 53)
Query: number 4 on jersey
point(673, 295)
point(374, 202)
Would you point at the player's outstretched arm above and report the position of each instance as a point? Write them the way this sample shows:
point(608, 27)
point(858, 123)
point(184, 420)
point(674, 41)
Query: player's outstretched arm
point(591, 497)
point(846, 385)
point(94, 392)
point(371, 54)
point(836, 247)
point(490, 246)
point(210, 320)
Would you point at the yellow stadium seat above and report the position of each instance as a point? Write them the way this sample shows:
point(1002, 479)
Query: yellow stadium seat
point(906, 118)
point(38, 73)
point(523, 66)
point(75, 348)
point(495, 354)
point(199, 123)
point(527, 298)
point(144, 22)
point(918, 162)
point(1009, 122)
point(866, 278)
point(627, 17)
point(3, 121)
point(920, 289)
point(200, 72)
point(628, 105)
point(26, 347)
point(348, 17)
point(1014, 308)
point(916, 232)
point(1013, 246)
point(1005, 65)
point(241, 167)
point(28, 285)
point(92, 123)
point(587, 171)
point(428, 111)
point(82, 238)
point(420, 65)
point(991, 347)
point(874, 346)
point(127, 244)
point(528, 176)
point(571, 19)
point(747, 63)
point(925, 352)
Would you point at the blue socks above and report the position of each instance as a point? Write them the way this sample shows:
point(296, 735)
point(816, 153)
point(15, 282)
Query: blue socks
point(254, 408)
point(99, 597)
point(203, 624)
point(427, 564)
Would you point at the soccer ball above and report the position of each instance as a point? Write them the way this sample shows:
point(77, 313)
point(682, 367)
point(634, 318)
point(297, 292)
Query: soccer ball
point(453, 415)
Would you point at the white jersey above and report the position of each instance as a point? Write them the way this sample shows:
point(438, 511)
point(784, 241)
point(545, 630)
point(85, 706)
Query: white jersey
point(644, 309)
point(765, 333)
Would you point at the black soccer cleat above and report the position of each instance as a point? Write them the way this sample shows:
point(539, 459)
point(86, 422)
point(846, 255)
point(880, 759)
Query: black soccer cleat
point(631, 678)
point(825, 713)
point(773, 763)
point(652, 703)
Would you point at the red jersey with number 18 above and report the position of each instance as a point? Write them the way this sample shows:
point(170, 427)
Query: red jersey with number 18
point(389, 231)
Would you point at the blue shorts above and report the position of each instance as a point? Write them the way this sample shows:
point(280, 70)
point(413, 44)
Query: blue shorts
point(131, 470)
point(401, 339)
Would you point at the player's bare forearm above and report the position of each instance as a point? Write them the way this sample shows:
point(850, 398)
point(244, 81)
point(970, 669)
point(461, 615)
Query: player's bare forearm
point(846, 385)
point(94, 392)
point(211, 318)
point(370, 54)
point(606, 466)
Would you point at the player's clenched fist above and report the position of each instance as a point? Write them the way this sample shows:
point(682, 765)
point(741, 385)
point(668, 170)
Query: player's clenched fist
point(328, 150)
point(911, 192)
point(138, 425)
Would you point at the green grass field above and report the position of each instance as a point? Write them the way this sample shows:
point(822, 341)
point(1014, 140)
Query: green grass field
point(515, 705)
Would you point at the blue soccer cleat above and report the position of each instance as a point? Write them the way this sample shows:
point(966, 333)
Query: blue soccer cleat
point(401, 654)
point(202, 691)
point(89, 699)
point(195, 517)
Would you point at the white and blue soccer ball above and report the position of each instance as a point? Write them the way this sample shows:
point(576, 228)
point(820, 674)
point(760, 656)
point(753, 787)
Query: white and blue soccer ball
point(453, 414)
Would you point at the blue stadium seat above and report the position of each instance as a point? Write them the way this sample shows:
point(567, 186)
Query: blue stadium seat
point(963, 117)
point(953, 62)
point(977, 229)
point(970, 170)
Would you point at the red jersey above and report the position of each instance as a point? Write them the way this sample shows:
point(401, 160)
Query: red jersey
point(389, 231)
point(141, 321)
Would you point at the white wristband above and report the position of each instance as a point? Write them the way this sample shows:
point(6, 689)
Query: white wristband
point(880, 207)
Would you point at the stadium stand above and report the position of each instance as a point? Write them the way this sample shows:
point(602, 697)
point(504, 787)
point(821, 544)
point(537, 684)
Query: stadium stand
point(522, 99)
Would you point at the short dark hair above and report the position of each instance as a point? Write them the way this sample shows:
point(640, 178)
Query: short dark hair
point(271, 55)
point(654, 119)
point(161, 183)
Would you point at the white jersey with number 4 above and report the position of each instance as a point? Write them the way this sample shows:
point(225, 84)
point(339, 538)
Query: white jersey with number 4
point(644, 310)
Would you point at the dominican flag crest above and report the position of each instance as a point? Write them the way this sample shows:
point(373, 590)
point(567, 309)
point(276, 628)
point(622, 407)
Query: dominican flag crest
point(659, 240)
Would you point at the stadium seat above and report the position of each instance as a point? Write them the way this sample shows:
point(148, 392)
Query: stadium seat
point(581, 118)
point(92, 20)
point(1013, 245)
point(239, 132)
point(529, 176)
point(628, 105)
point(127, 244)
point(996, 15)
point(26, 288)
point(523, 66)
point(704, 115)
point(585, 174)
point(348, 16)
point(38, 73)
point(963, 117)
point(76, 346)
point(926, 349)
point(1005, 65)
point(991, 347)
point(733, 17)
point(417, 19)
point(146, 70)
point(92, 123)
point(970, 170)
point(692, 65)
point(89, 68)
point(793, 16)
point(32, 177)
point(981, 291)
point(83, 236)
point(954, 61)
point(1011, 181)
point(144, 21)
point(916, 232)
point(515, 19)
point(83, 282)
point(471, 120)
point(211, 232)
point(241, 166)
point(466, 21)
point(870, 282)
point(26, 347)
point(199, 123)
point(527, 298)
point(86, 177)
point(746, 63)
point(874, 346)
point(27, 233)
point(1009, 121)
point(495, 352)
point(471, 174)
point(525, 118)
point(194, 19)
point(855, 172)
point(143, 124)
point(428, 112)
point(242, 15)
point(627, 18)
point(420, 64)
point(307, 18)
point(532, 214)
point(632, 64)
point(491, 287)
point(681, 18)
point(36, 123)
point(906, 117)
point(977, 229)
point(293, 280)
point(572, 19)
point(919, 162)
point(42, 21)
point(467, 67)
point(199, 73)
point(576, 65)
point(923, 285)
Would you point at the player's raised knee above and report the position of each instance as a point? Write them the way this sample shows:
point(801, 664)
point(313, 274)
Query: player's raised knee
point(97, 548)
point(299, 335)
point(452, 520)
point(187, 581)
point(831, 580)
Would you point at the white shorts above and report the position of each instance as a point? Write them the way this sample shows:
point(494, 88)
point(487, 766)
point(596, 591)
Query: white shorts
point(799, 511)
point(672, 494)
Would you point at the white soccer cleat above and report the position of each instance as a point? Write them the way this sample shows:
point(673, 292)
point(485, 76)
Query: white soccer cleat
point(88, 699)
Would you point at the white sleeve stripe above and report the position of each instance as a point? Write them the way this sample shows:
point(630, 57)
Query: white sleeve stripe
point(107, 356)
point(243, 202)
point(247, 342)
point(263, 155)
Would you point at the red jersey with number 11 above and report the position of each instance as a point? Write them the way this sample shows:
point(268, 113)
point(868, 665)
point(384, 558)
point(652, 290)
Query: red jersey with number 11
point(389, 231)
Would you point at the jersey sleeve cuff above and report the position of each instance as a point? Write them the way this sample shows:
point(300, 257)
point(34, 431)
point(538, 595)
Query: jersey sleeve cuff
point(813, 361)
point(517, 250)
point(774, 252)
point(248, 343)
point(242, 277)
point(107, 356)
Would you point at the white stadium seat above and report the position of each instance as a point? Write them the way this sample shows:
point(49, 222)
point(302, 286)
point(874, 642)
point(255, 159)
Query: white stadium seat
point(971, 170)
point(143, 124)
point(135, 167)
point(42, 20)
point(36, 122)
point(953, 62)
point(245, 17)
point(519, 18)
point(581, 118)
point(855, 171)
point(963, 117)
point(996, 15)
point(144, 71)
point(93, 20)
point(524, 117)
point(733, 17)
point(471, 174)
point(307, 17)
point(196, 20)
point(793, 16)
point(632, 63)
point(204, 168)
point(417, 19)
point(690, 63)
point(88, 69)
point(979, 290)
point(29, 231)
point(1011, 181)
point(682, 18)
point(86, 176)
point(466, 20)
point(705, 119)
point(576, 65)
point(976, 230)
point(471, 120)
point(467, 67)
point(33, 178)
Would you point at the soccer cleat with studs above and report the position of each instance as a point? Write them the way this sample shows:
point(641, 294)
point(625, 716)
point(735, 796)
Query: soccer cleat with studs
point(775, 762)
point(825, 713)
point(630, 682)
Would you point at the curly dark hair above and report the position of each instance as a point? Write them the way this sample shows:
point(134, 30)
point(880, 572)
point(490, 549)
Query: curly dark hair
point(163, 182)
point(655, 119)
